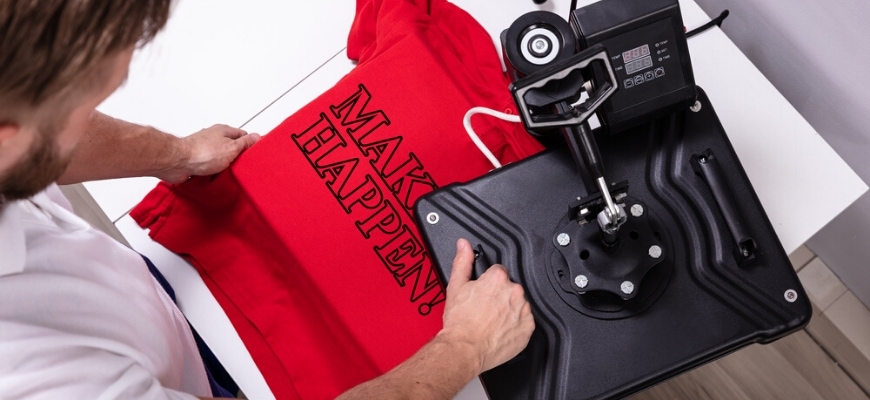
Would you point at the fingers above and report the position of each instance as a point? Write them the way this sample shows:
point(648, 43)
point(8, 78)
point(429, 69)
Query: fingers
point(242, 140)
point(462, 264)
point(246, 141)
point(211, 150)
point(497, 271)
point(526, 315)
point(229, 131)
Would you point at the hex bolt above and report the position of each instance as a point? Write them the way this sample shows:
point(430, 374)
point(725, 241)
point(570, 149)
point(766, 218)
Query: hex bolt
point(791, 295)
point(637, 210)
point(581, 281)
point(563, 239)
point(432, 218)
point(696, 107)
point(627, 287)
point(655, 251)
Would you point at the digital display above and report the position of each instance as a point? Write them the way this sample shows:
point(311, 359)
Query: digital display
point(637, 65)
point(634, 54)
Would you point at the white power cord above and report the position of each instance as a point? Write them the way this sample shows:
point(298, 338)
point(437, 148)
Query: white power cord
point(466, 122)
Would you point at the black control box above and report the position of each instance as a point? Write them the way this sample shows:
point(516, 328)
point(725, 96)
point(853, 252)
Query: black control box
point(646, 41)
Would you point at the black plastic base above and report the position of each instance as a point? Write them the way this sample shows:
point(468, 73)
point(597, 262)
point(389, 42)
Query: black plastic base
point(705, 298)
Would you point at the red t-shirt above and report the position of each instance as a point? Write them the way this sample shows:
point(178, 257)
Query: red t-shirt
point(307, 241)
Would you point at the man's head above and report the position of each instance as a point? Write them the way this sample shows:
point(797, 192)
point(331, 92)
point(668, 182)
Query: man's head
point(58, 60)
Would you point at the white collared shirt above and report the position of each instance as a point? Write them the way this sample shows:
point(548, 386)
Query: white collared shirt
point(80, 315)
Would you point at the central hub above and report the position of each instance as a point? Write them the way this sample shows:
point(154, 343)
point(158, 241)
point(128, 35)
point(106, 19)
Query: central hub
point(617, 267)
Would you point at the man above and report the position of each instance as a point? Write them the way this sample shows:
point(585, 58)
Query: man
point(80, 316)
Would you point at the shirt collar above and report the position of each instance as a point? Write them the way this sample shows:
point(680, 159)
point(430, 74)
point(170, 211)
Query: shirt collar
point(12, 245)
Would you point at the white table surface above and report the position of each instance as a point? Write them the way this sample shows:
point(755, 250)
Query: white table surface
point(220, 61)
point(229, 62)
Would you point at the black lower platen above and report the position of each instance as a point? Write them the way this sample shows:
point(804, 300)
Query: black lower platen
point(696, 296)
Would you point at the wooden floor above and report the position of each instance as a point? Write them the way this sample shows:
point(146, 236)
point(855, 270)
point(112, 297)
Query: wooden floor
point(794, 367)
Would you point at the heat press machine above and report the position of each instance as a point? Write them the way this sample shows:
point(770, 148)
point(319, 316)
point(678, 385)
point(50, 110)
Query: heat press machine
point(637, 272)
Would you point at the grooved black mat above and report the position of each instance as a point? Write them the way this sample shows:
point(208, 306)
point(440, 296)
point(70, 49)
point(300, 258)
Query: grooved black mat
point(720, 279)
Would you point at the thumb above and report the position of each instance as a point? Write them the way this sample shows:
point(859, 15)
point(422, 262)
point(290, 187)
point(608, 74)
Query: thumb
point(230, 132)
point(247, 141)
point(462, 264)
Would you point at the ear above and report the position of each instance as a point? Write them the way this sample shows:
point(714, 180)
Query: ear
point(8, 131)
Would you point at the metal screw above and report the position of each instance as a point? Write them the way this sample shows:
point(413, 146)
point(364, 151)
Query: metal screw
point(655, 251)
point(637, 210)
point(563, 239)
point(627, 287)
point(696, 107)
point(432, 218)
point(581, 281)
point(791, 295)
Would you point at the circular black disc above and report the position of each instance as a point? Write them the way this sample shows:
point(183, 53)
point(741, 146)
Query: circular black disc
point(537, 24)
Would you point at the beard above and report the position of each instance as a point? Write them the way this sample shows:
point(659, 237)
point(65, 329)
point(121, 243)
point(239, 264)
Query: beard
point(43, 165)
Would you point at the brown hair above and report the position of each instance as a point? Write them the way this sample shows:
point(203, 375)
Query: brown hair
point(49, 48)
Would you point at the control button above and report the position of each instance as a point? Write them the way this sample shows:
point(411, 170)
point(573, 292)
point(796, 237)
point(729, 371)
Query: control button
point(660, 72)
point(638, 79)
point(648, 76)
point(628, 83)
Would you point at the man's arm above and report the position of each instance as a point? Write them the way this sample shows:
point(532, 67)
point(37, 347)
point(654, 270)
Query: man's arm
point(486, 323)
point(111, 148)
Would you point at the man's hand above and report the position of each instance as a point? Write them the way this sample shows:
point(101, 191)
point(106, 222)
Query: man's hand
point(111, 148)
point(486, 323)
point(490, 314)
point(208, 152)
